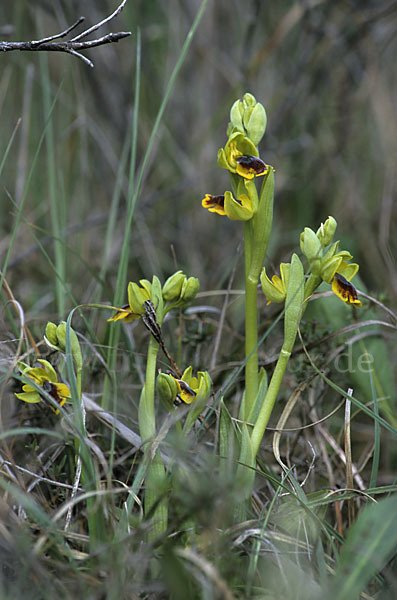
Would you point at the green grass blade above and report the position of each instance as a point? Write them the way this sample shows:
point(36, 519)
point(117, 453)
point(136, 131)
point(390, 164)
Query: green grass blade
point(369, 545)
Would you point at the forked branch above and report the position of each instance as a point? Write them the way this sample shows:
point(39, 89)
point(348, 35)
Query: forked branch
point(74, 45)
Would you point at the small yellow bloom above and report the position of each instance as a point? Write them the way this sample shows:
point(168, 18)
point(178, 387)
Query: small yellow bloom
point(241, 209)
point(215, 204)
point(237, 146)
point(185, 392)
point(46, 378)
point(345, 290)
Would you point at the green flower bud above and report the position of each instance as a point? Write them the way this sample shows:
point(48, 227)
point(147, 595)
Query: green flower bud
point(138, 295)
point(50, 336)
point(167, 389)
point(189, 289)
point(326, 231)
point(310, 245)
point(172, 288)
point(311, 248)
point(247, 116)
point(236, 117)
point(255, 121)
point(55, 338)
point(61, 336)
point(249, 101)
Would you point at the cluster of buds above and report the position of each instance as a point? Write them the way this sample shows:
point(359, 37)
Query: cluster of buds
point(55, 338)
point(177, 291)
point(326, 263)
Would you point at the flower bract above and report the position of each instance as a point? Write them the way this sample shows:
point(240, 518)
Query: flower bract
point(276, 289)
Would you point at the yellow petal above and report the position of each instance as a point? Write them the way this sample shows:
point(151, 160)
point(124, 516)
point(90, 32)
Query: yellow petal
point(186, 393)
point(125, 313)
point(49, 370)
point(31, 397)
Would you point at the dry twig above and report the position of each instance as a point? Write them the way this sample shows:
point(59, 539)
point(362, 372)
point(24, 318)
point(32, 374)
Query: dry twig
point(74, 45)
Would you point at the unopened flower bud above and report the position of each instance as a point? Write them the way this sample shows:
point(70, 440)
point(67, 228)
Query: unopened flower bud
point(190, 288)
point(236, 116)
point(50, 336)
point(172, 288)
point(255, 121)
point(55, 338)
point(167, 389)
point(311, 248)
point(326, 231)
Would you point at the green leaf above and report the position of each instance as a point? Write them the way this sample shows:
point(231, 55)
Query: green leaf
point(229, 442)
point(369, 545)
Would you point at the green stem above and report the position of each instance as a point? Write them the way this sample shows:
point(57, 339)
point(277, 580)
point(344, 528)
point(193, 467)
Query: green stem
point(270, 398)
point(256, 238)
point(251, 332)
point(311, 284)
point(155, 481)
point(293, 313)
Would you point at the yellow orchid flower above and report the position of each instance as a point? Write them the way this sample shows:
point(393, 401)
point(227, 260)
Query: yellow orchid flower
point(241, 209)
point(135, 308)
point(46, 378)
point(240, 156)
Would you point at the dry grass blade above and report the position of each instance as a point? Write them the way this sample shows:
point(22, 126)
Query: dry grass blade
point(348, 455)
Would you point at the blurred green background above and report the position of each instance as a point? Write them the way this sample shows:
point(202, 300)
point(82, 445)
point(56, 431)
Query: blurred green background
point(325, 70)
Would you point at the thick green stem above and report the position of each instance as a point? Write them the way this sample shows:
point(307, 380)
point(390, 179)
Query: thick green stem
point(256, 238)
point(251, 344)
point(155, 502)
